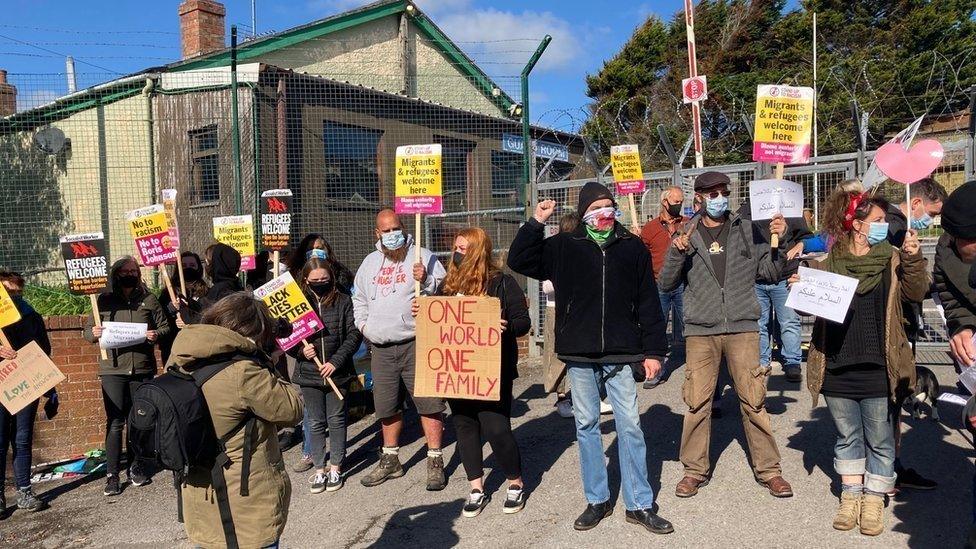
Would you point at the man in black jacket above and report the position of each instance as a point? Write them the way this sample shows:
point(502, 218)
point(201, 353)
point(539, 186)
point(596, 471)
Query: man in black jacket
point(954, 270)
point(608, 316)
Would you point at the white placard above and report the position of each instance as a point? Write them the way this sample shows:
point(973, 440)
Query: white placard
point(822, 294)
point(768, 197)
point(116, 335)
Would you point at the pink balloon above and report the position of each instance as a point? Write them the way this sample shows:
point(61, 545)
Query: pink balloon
point(909, 166)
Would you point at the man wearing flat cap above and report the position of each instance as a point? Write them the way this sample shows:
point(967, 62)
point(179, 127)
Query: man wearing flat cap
point(718, 257)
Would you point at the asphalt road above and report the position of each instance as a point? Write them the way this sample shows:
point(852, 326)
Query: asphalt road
point(731, 511)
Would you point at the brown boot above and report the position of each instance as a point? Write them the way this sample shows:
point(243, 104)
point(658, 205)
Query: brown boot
point(777, 486)
point(872, 515)
point(436, 481)
point(688, 486)
point(849, 511)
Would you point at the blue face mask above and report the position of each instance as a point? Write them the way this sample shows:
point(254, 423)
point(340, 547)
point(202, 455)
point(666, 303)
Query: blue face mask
point(922, 223)
point(317, 254)
point(716, 207)
point(393, 240)
point(877, 232)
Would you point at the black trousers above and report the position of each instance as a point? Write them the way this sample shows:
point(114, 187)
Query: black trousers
point(478, 420)
point(117, 396)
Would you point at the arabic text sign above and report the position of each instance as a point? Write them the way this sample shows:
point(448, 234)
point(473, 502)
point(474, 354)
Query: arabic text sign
point(285, 300)
point(150, 231)
point(513, 143)
point(458, 348)
point(27, 377)
point(784, 119)
point(8, 309)
point(85, 262)
point(627, 172)
point(169, 208)
point(822, 294)
point(768, 197)
point(418, 180)
point(275, 219)
point(237, 231)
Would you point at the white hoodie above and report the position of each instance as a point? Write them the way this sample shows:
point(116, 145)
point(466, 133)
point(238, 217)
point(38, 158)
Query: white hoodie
point(384, 294)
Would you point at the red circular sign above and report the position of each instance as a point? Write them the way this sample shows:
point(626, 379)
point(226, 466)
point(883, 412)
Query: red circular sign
point(694, 88)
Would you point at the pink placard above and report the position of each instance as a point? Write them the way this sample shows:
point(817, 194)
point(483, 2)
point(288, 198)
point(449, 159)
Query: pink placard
point(301, 328)
point(155, 250)
point(630, 187)
point(775, 153)
point(418, 204)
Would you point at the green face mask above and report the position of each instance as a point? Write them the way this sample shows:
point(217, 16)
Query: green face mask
point(600, 237)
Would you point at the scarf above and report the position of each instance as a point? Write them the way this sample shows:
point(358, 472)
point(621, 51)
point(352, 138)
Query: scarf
point(600, 237)
point(868, 269)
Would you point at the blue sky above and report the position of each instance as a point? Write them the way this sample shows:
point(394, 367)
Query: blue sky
point(127, 36)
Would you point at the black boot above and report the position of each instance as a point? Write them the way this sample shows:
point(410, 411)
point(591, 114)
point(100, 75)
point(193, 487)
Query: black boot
point(593, 515)
point(650, 521)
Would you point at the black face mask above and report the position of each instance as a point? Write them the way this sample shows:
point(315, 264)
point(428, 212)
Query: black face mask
point(192, 275)
point(457, 258)
point(128, 281)
point(321, 288)
point(674, 210)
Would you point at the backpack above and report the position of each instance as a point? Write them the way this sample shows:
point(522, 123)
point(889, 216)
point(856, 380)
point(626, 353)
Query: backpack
point(170, 428)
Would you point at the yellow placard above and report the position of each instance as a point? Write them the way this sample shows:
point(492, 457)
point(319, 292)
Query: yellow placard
point(784, 121)
point(237, 231)
point(8, 310)
point(418, 178)
point(626, 163)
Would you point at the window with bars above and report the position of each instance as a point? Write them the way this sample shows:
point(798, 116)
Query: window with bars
point(205, 156)
point(350, 159)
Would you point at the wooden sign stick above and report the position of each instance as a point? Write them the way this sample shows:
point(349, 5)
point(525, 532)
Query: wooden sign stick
point(416, 252)
point(98, 320)
point(633, 213)
point(169, 287)
point(329, 379)
point(773, 237)
point(179, 271)
point(276, 260)
point(5, 342)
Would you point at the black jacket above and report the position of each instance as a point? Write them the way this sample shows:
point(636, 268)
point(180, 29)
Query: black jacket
point(607, 305)
point(951, 281)
point(29, 328)
point(796, 230)
point(337, 342)
point(224, 274)
point(140, 306)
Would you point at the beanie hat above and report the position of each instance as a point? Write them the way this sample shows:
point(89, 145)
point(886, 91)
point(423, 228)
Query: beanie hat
point(590, 193)
point(958, 217)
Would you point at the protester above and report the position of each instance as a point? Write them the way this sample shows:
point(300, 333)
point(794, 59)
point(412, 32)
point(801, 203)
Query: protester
point(657, 235)
point(382, 303)
point(261, 273)
point(955, 267)
point(17, 430)
point(555, 369)
point(334, 346)
point(474, 271)
point(239, 328)
point(608, 316)
point(188, 310)
point(315, 246)
point(772, 294)
point(126, 300)
point(718, 259)
point(223, 269)
point(864, 367)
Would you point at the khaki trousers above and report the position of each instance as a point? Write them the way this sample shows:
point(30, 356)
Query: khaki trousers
point(704, 353)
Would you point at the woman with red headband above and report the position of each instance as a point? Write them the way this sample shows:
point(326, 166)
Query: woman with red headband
point(864, 366)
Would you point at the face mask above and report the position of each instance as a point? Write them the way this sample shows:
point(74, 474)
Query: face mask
point(192, 275)
point(922, 223)
point(320, 288)
point(877, 232)
point(129, 281)
point(601, 219)
point(393, 240)
point(674, 210)
point(316, 254)
point(716, 207)
point(457, 258)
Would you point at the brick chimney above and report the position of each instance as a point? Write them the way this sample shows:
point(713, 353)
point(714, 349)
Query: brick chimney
point(8, 96)
point(201, 27)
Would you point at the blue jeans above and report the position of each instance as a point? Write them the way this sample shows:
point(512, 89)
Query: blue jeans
point(306, 436)
point(17, 431)
point(587, 380)
point(865, 440)
point(673, 303)
point(772, 297)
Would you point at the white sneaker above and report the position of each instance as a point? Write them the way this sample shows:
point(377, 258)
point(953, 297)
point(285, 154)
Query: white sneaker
point(605, 408)
point(565, 408)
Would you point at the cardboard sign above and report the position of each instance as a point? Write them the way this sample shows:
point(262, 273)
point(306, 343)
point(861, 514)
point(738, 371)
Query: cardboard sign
point(768, 197)
point(169, 208)
point(784, 120)
point(237, 231)
point(8, 309)
point(27, 377)
point(150, 230)
point(822, 294)
point(117, 335)
point(418, 180)
point(85, 263)
point(459, 349)
point(286, 300)
point(275, 219)
point(627, 172)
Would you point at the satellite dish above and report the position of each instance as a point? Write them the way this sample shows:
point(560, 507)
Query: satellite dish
point(50, 140)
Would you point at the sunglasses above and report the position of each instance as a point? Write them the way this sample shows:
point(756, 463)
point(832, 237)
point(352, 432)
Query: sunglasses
point(714, 194)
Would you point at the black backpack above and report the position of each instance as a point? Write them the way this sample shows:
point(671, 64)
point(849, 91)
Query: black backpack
point(170, 428)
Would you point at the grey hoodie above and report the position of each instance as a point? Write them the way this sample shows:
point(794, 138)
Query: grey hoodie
point(384, 294)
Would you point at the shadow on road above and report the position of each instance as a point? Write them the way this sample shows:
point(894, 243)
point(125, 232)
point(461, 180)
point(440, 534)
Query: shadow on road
point(427, 526)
